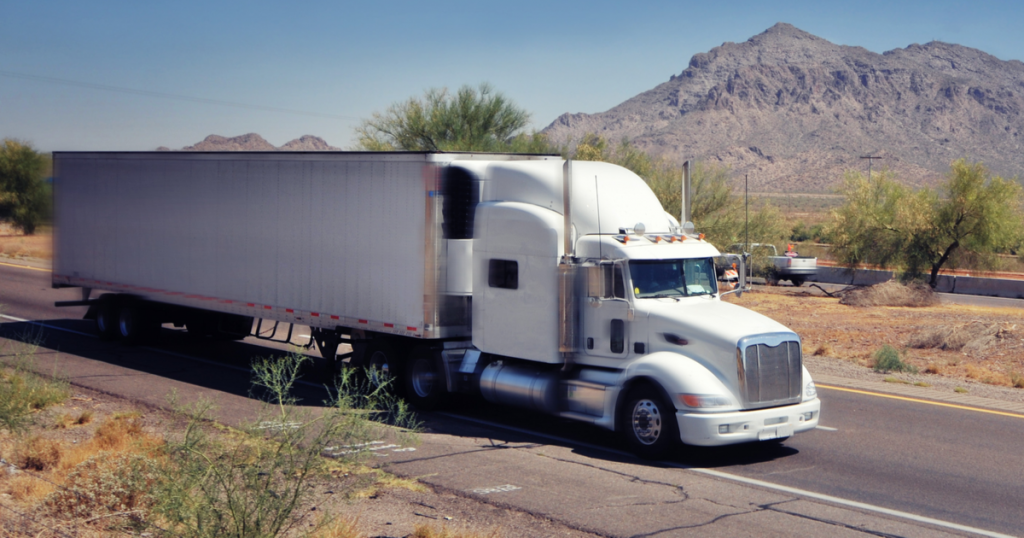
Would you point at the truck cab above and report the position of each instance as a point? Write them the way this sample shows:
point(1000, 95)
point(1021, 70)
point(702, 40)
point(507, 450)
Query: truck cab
point(631, 333)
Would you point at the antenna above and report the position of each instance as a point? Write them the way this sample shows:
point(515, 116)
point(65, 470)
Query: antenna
point(597, 197)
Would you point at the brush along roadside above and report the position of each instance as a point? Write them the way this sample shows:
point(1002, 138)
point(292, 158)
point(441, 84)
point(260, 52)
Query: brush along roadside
point(182, 474)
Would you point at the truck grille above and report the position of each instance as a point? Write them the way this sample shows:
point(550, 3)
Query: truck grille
point(770, 375)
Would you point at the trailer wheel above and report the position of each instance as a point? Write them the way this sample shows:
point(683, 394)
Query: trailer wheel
point(133, 325)
point(106, 320)
point(648, 423)
point(379, 360)
point(424, 379)
point(798, 281)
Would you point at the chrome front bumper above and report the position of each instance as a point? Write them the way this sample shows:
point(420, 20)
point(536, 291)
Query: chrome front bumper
point(716, 429)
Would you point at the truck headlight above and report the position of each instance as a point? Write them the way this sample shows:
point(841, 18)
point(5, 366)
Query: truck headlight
point(810, 390)
point(703, 400)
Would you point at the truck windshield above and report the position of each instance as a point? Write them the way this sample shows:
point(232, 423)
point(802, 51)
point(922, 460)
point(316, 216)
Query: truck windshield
point(672, 278)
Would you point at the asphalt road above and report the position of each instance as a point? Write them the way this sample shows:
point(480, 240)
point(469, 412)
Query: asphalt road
point(959, 466)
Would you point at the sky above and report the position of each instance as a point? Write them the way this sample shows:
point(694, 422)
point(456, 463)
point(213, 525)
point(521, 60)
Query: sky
point(133, 76)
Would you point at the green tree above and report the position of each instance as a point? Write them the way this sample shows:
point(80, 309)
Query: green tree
point(471, 119)
point(885, 223)
point(24, 196)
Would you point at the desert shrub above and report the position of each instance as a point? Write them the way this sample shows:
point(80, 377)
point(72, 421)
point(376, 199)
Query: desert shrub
point(1016, 380)
point(968, 337)
point(106, 483)
point(117, 433)
point(251, 482)
point(891, 293)
point(39, 453)
point(888, 359)
point(23, 392)
point(824, 349)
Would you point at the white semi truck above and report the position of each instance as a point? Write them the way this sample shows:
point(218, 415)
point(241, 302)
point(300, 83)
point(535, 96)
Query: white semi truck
point(558, 286)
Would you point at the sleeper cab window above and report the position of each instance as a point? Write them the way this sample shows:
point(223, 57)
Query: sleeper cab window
point(503, 274)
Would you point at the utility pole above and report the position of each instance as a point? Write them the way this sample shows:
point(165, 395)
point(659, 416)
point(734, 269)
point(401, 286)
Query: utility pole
point(746, 215)
point(870, 158)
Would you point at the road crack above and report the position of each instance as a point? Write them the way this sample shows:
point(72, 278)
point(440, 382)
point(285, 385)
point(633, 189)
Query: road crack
point(774, 508)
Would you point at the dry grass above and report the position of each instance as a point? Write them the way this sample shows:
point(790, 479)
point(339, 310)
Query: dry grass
point(428, 531)
point(972, 337)
point(14, 244)
point(891, 293)
point(983, 374)
point(25, 488)
point(342, 527)
point(39, 454)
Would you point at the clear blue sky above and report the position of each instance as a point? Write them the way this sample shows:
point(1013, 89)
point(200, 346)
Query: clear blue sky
point(341, 61)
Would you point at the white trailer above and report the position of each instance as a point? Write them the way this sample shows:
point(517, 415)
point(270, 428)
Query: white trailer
point(562, 287)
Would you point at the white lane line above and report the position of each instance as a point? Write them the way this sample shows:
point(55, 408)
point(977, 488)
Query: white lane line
point(826, 428)
point(755, 482)
point(153, 349)
point(41, 324)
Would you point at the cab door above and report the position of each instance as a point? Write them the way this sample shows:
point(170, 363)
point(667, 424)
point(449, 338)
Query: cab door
point(606, 313)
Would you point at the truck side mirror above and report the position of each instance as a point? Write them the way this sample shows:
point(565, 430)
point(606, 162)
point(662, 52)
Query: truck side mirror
point(741, 273)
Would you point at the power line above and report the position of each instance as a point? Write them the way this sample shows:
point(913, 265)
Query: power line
point(162, 95)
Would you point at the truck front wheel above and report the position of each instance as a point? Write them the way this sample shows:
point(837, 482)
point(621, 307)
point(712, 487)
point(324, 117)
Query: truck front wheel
point(649, 424)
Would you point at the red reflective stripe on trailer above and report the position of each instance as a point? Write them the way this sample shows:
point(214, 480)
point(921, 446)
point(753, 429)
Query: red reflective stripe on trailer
point(335, 317)
point(390, 325)
point(314, 314)
point(410, 328)
point(289, 310)
point(267, 307)
point(363, 321)
point(250, 304)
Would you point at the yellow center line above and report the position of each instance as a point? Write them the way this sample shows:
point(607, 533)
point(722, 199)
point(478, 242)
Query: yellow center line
point(929, 402)
point(25, 267)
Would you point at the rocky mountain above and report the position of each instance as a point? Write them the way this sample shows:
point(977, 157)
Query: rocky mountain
point(255, 142)
point(795, 111)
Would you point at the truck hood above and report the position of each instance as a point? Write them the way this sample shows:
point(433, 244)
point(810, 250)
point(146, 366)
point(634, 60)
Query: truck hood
point(710, 328)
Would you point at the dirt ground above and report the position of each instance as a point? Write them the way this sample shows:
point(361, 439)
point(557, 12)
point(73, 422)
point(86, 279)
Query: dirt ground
point(14, 244)
point(853, 334)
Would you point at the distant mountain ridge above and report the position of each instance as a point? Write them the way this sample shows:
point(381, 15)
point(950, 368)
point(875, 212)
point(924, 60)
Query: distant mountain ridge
point(795, 111)
point(255, 142)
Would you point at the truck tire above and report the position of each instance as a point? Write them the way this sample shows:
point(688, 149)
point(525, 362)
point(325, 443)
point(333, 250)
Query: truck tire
point(424, 381)
point(798, 281)
point(106, 320)
point(133, 325)
point(379, 360)
point(649, 423)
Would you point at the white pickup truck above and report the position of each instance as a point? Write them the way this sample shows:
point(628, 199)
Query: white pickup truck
point(791, 267)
